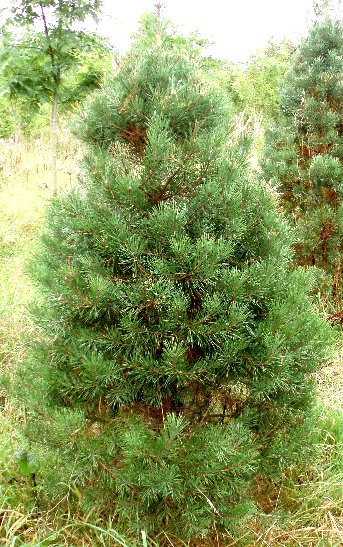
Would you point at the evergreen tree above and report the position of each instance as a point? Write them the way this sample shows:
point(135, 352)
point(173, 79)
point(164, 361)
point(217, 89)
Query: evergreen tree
point(177, 340)
point(304, 152)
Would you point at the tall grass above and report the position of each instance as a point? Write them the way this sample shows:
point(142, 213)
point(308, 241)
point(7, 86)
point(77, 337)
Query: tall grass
point(24, 195)
point(303, 508)
point(306, 508)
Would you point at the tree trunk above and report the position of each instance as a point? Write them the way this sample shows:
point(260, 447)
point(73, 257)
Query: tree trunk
point(16, 123)
point(53, 136)
point(57, 81)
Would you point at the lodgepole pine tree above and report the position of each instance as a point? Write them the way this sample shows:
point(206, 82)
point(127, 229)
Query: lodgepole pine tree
point(177, 339)
point(304, 154)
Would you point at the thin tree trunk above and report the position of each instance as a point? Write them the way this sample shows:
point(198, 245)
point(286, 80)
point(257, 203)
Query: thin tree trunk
point(54, 111)
point(53, 137)
point(158, 7)
point(16, 122)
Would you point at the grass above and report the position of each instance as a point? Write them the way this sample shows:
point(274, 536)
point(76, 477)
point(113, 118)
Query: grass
point(308, 507)
point(304, 508)
point(24, 193)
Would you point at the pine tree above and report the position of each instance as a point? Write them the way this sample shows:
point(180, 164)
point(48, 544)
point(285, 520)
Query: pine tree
point(304, 153)
point(177, 340)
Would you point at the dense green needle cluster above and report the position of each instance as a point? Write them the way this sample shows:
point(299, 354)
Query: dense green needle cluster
point(178, 339)
point(304, 154)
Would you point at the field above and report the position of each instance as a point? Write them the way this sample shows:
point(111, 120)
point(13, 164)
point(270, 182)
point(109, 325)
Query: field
point(304, 508)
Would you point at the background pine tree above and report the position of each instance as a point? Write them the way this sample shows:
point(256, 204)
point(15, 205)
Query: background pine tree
point(177, 340)
point(304, 152)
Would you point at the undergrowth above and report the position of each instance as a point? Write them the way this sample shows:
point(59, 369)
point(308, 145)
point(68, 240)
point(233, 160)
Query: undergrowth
point(303, 508)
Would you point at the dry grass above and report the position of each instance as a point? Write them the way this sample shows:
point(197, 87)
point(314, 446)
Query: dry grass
point(306, 509)
point(24, 194)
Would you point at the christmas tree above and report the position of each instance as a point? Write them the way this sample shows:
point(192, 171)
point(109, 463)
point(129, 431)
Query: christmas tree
point(304, 153)
point(177, 339)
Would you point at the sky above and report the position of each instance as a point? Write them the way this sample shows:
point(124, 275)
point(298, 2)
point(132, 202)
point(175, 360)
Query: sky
point(237, 28)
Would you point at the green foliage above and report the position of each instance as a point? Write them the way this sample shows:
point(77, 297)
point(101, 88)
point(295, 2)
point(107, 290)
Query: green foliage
point(26, 85)
point(153, 29)
point(28, 11)
point(58, 41)
point(257, 84)
point(23, 72)
point(176, 340)
point(304, 153)
point(58, 61)
point(26, 463)
point(93, 61)
point(26, 70)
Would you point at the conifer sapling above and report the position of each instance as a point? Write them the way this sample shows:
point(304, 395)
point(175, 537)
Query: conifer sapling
point(178, 339)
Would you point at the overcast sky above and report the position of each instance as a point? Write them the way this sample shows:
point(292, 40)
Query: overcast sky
point(237, 27)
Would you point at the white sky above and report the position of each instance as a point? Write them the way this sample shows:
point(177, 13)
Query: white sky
point(237, 27)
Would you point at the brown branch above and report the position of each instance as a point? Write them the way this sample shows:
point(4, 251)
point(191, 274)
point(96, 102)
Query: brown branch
point(46, 32)
point(338, 315)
